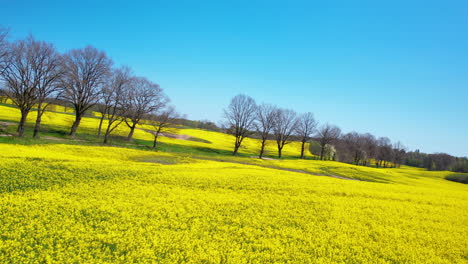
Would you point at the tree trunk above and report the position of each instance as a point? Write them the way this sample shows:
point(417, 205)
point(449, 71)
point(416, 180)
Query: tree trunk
point(262, 149)
point(132, 130)
point(100, 125)
point(302, 149)
point(106, 135)
point(24, 115)
point(322, 151)
point(155, 140)
point(237, 145)
point(37, 127)
point(236, 149)
point(75, 125)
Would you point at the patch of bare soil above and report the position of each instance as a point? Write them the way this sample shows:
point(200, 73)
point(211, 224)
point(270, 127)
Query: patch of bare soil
point(3, 126)
point(263, 158)
point(59, 139)
point(168, 135)
point(182, 137)
point(6, 124)
point(53, 138)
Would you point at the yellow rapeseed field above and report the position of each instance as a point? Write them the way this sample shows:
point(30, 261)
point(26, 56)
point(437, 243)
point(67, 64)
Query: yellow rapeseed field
point(62, 203)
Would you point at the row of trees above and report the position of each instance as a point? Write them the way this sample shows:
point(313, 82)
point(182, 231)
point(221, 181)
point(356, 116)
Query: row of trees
point(245, 118)
point(34, 74)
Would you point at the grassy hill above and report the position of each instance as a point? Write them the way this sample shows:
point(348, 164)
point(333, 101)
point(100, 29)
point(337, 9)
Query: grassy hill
point(74, 200)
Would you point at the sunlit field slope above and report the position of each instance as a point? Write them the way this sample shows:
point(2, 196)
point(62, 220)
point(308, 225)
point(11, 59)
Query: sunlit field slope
point(66, 203)
point(72, 200)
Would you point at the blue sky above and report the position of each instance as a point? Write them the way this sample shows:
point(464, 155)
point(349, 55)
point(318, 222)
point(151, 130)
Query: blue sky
point(392, 68)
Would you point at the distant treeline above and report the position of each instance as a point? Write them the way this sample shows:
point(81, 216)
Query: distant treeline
point(245, 118)
point(436, 161)
point(200, 124)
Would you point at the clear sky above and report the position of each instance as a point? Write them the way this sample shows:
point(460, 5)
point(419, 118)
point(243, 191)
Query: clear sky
point(392, 68)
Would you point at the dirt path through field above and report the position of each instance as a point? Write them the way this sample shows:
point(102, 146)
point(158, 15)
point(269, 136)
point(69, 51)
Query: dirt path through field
point(176, 136)
point(3, 126)
point(2, 123)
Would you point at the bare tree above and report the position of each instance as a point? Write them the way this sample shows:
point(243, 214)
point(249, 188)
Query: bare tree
point(85, 73)
point(143, 98)
point(354, 145)
point(105, 102)
point(306, 125)
point(112, 92)
point(284, 127)
point(114, 99)
point(162, 122)
point(370, 147)
point(49, 67)
point(399, 152)
point(240, 116)
point(384, 152)
point(326, 135)
point(24, 74)
point(265, 119)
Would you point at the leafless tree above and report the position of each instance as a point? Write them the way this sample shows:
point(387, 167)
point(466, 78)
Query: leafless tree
point(355, 147)
point(306, 125)
point(370, 147)
point(284, 127)
point(399, 152)
point(326, 135)
point(105, 102)
point(144, 97)
point(30, 75)
point(162, 122)
point(19, 79)
point(49, 65)
point(112, 93)
point(240, 116)
point(384, 152)
point(113, 96)
point(85, 73)
point(265, 119)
